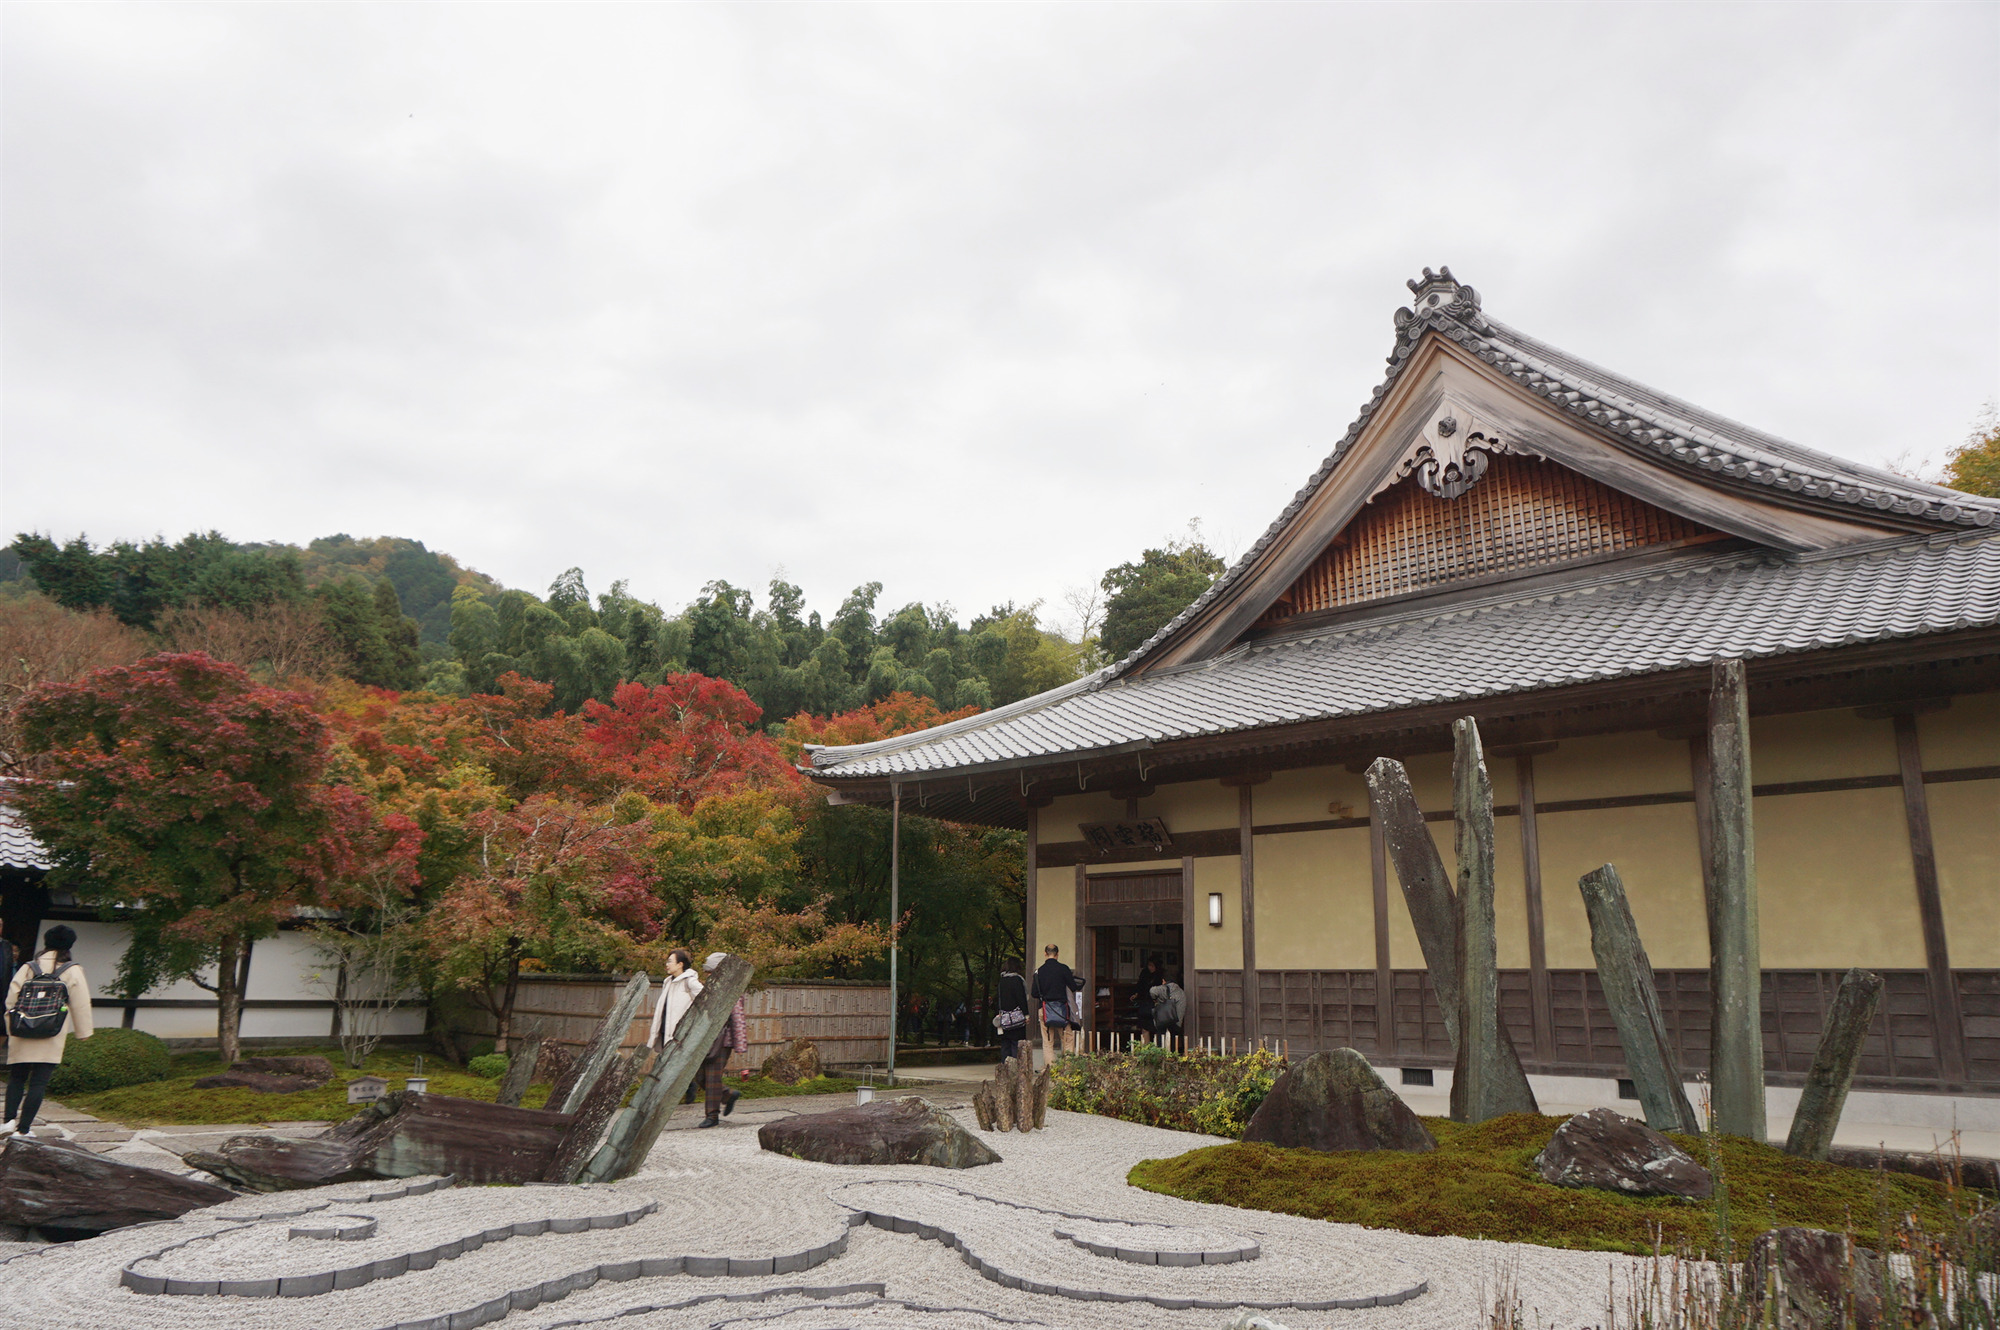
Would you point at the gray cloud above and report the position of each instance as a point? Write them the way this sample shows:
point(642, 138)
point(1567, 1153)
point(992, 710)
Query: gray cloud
point(974, 301)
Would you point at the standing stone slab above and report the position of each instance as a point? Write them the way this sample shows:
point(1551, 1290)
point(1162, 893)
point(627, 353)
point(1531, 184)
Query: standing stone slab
point(1487, 1079)
point(1627, 978)
point(1426, 883)
point(604, 1045)
point(639, 1125)
point(1736, 1062)
point(1833, 1065)
point(579, 1143)
point(520, 1069)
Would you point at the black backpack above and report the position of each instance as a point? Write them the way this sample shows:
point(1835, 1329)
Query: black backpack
point(43, 1005)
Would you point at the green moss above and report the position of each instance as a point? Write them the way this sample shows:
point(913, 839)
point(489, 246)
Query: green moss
point(176, 1101)
point(490, 1065)
point(1480, 1183)
point(108, 1059)
point(759, 1088)
point(1200, 1092)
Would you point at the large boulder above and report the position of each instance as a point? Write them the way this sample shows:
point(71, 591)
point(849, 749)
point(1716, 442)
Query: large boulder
point(1335, 1101)
point(909, 1130)
point(55, 1185)
point(1609, 1150)
point(1826, 1280)
point(795, 1062)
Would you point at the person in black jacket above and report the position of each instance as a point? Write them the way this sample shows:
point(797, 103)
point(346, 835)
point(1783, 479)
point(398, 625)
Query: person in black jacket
point(1011, 1001)
point(1054, 985)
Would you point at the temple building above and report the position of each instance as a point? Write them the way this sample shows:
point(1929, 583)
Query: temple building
point(1510, 533)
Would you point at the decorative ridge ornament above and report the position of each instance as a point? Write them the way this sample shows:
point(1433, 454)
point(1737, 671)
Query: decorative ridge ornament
point(1436, 294)
point(1450, 453)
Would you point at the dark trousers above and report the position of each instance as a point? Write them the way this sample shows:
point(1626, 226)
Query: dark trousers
point(1010, 1042)
point(26, 1083)
point(711, 1081)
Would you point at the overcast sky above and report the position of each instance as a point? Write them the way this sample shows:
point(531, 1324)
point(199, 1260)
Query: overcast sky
point(973, 301)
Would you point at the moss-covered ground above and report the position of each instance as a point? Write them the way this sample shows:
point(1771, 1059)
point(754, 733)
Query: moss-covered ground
point(1481, 1183)
point(175, 1101)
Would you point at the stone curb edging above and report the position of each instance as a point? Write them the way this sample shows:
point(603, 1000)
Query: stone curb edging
point(1220, 1256)
point(873, 1292)
point(699, 1267)
point(342, 1233)
point(895, 1224)
point(389, 1267)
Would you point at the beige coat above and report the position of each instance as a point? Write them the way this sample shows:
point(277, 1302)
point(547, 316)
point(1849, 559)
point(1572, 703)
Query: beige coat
point(677, 994)
point(77, 1022)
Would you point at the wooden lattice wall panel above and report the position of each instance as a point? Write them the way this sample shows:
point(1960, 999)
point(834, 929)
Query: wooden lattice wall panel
point(1523, 514)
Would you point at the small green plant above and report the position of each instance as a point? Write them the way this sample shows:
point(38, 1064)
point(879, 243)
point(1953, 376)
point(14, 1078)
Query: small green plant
point(490, 1065)
point(110, 1059)
point(1214, 1094)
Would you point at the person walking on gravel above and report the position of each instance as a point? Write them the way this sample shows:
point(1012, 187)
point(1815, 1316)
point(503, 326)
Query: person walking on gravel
point(1011, 1018)
point(734, 1037)
point(47, 1001)
point(1054, 986)
point(677, 994)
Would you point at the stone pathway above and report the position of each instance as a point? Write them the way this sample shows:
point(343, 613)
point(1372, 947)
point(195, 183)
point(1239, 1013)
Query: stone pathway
point(716, 1232)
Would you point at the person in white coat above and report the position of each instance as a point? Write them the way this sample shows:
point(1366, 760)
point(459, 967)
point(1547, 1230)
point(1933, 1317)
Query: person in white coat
point(30, 1062)
point(677, 994)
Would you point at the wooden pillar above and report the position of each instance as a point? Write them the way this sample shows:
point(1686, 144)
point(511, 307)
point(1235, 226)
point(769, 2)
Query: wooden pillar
point(1029, 890)
point(1531, 879)
point(1191, 1007)
point(1253, 1012)
point(1385, 977)
point(1080, 961)
point(1736, 1028)
point(1950, 1023)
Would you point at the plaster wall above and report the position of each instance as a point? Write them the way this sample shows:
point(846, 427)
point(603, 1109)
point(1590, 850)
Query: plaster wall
point(1657, 854)
point(1220, 948)
point(1055, 911)
point(1965, 828)
point(1964, 734)
point(1607, 764)
point(1315, 901)
point(1820, 745)
point(1835, 885)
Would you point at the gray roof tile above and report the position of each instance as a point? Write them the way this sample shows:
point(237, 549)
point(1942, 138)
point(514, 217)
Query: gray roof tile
point(1751, 605)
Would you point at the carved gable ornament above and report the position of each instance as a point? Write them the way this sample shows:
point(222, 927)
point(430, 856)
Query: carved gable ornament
point(1450, 453)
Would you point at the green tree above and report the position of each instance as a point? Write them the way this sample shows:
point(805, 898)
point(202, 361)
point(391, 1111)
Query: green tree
point(1974, 466)
point(1143, 597)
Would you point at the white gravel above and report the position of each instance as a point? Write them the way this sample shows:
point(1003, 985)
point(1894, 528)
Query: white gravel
point(719, 1195)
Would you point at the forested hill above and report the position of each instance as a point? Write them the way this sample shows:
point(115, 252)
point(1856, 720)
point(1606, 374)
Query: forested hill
point(390, 612)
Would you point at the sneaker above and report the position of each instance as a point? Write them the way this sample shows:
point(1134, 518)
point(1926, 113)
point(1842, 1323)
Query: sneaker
point(7, 1128)
point(710, 1121)
point(730, 1107)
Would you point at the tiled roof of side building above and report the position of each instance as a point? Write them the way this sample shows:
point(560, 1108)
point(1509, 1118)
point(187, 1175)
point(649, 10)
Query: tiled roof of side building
point(18, 846)
point(1746, 604)
point(1664, 426)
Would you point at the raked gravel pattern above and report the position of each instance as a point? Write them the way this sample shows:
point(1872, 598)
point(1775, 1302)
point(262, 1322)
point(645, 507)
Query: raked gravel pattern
point(718, 1195)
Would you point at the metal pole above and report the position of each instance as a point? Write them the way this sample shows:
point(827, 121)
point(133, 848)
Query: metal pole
point(895, 910)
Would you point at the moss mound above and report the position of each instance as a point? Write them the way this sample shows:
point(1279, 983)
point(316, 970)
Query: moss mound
point(110, 1059)
point(490, 1065)
point(1480, 1183)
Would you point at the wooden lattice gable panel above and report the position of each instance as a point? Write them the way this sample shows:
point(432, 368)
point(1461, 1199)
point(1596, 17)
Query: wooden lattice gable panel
point(1518, 514)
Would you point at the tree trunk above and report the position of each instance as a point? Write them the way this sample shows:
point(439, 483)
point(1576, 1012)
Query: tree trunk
point(503, 1019)
point(232, 975)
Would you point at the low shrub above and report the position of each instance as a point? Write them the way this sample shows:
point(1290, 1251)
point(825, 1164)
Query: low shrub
point(1211, 1093)
point(109, 1059)
point(489, 1065)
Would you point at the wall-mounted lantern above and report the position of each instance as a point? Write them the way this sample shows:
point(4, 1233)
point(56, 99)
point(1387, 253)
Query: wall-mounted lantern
point(1215, 909)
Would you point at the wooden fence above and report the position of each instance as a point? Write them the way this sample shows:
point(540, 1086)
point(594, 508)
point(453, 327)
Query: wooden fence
point(849, 1020)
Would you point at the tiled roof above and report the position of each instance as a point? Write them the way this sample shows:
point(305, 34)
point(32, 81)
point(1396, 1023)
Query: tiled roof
point(1747, 605)
point(1670, 430)
point(18, 848)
